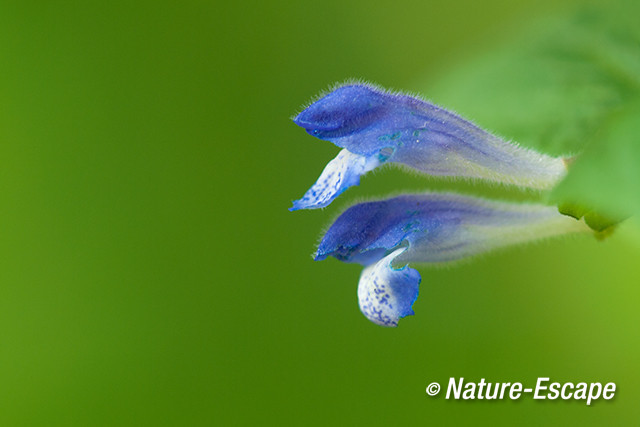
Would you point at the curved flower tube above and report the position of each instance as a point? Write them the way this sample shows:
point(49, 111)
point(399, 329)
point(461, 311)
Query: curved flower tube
point(375, 127)
point(428, 228)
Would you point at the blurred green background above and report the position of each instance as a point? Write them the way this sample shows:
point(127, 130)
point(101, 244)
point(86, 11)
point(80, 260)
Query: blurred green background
point(150, 273)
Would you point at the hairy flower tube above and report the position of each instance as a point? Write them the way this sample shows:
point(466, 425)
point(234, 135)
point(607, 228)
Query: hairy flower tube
point(385, 235)
point(376, 127)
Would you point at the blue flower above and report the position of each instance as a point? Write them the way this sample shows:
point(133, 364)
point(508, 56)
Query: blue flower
point(376, 127)
point(427, 228)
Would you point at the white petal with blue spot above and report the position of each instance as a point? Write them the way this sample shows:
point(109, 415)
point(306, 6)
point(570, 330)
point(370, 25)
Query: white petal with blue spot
point(385, 293)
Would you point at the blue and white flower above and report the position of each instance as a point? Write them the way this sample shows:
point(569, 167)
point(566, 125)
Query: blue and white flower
point(431, 228)
point(376, 127)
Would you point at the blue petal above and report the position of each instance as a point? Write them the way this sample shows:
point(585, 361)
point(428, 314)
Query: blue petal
point(341, 173)
point(438, 227)
point(402, 129)
point(385, 293)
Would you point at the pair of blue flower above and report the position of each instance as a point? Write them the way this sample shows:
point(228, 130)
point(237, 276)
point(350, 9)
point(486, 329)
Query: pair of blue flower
point(375, 127)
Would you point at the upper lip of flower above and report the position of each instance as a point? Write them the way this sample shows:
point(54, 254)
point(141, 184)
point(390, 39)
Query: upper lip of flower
point(346, 110)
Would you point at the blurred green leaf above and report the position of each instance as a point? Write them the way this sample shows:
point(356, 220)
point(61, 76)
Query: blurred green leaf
point(608, 174)
point(565, 86)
